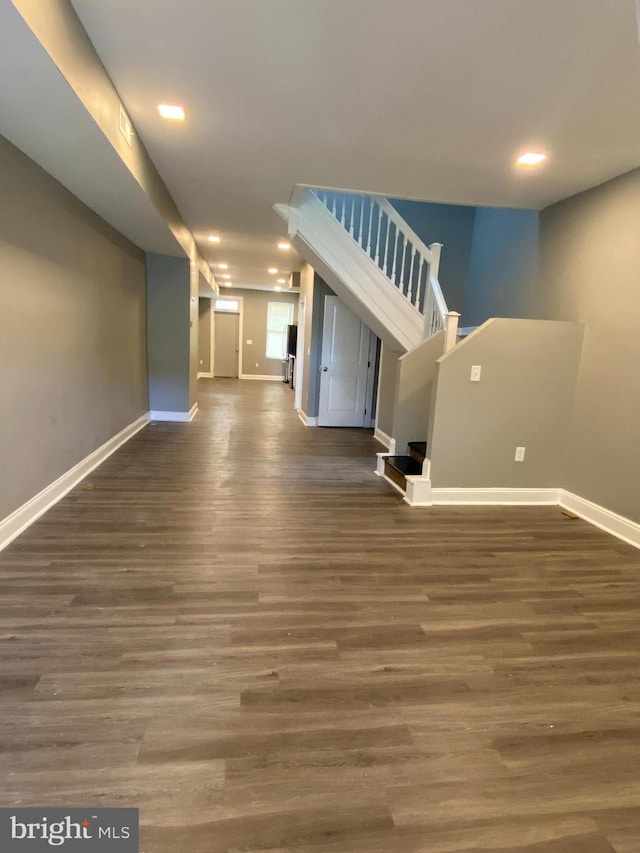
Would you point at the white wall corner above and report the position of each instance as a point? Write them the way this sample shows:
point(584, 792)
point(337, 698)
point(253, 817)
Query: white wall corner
point(13, 525)
point(306, 420)
point(617, 525)
point(174, 417)
point(384, 439)
point(419, 492)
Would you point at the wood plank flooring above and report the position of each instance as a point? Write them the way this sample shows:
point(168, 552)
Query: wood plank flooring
point(242, 631)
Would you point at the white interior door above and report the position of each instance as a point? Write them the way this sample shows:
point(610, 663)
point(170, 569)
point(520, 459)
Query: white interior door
point(226, 344)
point(344, 368)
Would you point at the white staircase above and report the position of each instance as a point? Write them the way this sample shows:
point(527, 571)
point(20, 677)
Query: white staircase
point(374, 262)
point(383, 271)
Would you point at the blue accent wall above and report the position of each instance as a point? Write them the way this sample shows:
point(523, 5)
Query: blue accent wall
point(503, 267)
point(451, 225)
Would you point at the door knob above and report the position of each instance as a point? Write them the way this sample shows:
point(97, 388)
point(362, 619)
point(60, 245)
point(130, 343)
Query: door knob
point(324, 369)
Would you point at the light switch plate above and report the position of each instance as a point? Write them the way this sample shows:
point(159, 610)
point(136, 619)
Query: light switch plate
point(520, 451)
point(476, 370)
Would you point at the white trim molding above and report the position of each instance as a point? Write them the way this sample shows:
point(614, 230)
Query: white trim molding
point(306, 420)
point(16, 523)
point(175, 417)
point(617, 525)
point(385, 440)
point(496, 496)
point(380, 457)
point(204, 376)
point(262, 376)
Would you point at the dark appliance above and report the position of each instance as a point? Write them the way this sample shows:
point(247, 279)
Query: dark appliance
point(292, 340)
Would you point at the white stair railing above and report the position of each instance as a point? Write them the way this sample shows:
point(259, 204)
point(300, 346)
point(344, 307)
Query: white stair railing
point(409, 264)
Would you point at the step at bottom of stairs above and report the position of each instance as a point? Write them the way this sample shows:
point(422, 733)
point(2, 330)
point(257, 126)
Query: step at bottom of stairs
point(397, 468)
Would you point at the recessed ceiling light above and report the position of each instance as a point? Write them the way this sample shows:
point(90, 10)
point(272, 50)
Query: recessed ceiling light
point(223, 266)
point(227, 284)
point(226, 275)
point(531, 158)
point(213, 238)
point(277, 288)
point(171, 111)
point(273, 270)
point(282, 281)
point(284, 245)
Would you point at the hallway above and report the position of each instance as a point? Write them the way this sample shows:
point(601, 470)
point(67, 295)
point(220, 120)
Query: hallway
point(236, 627)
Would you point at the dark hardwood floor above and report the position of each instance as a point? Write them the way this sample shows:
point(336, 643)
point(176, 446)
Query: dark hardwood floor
point(242, 631)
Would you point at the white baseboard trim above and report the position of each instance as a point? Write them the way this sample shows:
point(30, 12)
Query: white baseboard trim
point(13, 525)
point(380, 457)
point(264, 377)
point(175, 417)
point(204, 376)
point(617, 525)
point(524, 497)
point(419, 492)
point(306, 420)
point(385, 440)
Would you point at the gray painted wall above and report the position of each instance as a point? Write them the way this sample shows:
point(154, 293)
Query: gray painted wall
point(193, 333)
point(503, 266)
point(525, 398)
point(451, 225)
point(416, 378)
point(307, 277)
point(590, 255)
point(72, 330)
point(313, 289)
point(254, 320)
point(204, 335)
point(168, 333)
point(387, 378)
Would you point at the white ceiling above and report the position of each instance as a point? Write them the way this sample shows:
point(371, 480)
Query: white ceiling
point(426, 99)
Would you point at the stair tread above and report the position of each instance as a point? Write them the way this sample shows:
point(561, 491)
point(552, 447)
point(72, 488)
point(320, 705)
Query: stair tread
point(404, 464)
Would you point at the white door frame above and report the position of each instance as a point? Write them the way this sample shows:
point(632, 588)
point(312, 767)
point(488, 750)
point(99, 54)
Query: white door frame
point(212, 316)
point(300, 356)
point(370, 420)
point(368, 392)
point(240, 312)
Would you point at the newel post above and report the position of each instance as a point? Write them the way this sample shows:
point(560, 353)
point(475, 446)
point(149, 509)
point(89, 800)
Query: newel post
point(434, 261)
point(450, 329)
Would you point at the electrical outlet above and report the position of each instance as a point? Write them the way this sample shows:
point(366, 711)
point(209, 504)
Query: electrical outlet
point(520, 451)
point(201, 362)
point(257, 365)
point(249, 342)
point(476, 370)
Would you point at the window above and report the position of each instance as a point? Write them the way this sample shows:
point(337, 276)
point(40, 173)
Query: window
point(227, 305)
point(279, 316)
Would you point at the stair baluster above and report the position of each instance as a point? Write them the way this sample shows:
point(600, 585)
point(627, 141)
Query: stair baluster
point(412, 267)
